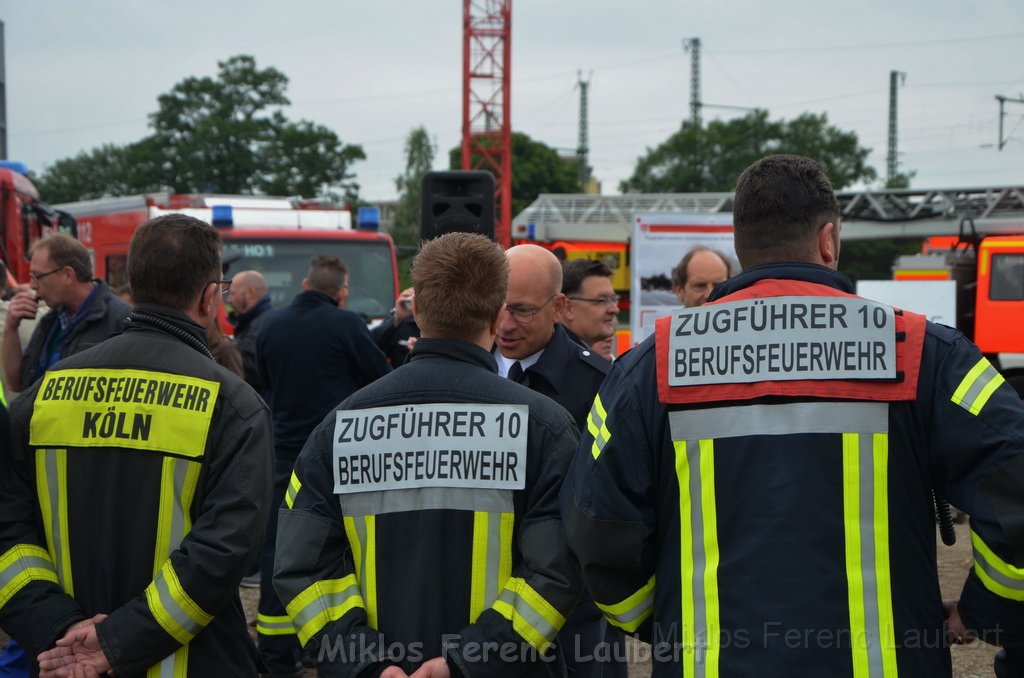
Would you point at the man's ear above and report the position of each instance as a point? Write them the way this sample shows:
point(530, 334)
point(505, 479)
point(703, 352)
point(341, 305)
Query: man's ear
point(828, 245)
point(560, 303)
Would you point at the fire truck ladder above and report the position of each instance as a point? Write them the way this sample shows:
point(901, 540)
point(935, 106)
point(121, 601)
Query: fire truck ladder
point(866, 215)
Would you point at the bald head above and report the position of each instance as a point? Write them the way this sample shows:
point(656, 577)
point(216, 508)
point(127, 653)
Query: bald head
point(534, 304)
point(247, 289)
point(538, 263)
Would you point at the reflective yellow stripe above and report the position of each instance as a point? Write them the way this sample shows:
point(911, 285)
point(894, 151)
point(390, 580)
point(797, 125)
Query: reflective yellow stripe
point(977, 387)
point(293, 490)
point(712, 624)
point(172, 666)
point(173, 607)
point(630, 613)
point(52, 488)
point(21, 564)
point(361, 532)
point(597, 427)
point(268, 625)
point(866, 530)
point(321, 603)
point(492, 559)
point(698, 558)
point(130, 409)
point(478, 574)
point(179, 479)
point(998, 576)
point(532, 617)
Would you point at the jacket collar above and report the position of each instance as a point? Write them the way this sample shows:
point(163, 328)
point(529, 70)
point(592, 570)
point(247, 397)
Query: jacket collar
point(241, 320)
point(784, 270)
point(454, 349)
point(552, 366)
point(312, 298)
point(169, 315)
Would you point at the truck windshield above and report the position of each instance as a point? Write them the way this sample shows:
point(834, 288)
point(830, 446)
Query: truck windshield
point(284, 263)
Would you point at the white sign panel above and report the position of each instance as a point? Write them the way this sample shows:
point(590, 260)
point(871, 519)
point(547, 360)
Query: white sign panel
point(934, 299)
point(659, 242)
point(430, 445)
point(782, 339)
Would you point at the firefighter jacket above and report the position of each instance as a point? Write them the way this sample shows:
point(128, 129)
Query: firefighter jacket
point(138, 486)
point(753, 494)
point(422, 521)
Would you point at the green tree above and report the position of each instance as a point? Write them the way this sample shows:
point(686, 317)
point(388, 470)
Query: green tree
point(223, 134)
point(419, 159)
point(711, 158)
point(536, 168)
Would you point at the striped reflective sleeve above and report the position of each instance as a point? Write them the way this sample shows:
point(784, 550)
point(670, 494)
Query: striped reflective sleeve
point(173, 608)
point(322, 603)
point(629, 614)
point(21, 564)
point(532, 617)
point(598, 428)
point(997, 575)
point(977, 387)
point(293, 490)
point(274, 625)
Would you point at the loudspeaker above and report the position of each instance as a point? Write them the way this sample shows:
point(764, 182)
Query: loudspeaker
point(458, 201)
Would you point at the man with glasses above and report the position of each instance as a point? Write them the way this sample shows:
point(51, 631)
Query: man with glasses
point(536, 351)
point(83, 312)
point(591, 303)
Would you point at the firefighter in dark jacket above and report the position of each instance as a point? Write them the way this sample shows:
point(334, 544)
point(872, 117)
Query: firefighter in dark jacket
point(754, 494)
point(421, 526)
point(136, 494)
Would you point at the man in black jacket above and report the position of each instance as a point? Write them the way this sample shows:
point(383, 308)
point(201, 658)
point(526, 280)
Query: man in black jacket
point(453, 561)
point(249, 303)
point(311, 355)
point(136, 491)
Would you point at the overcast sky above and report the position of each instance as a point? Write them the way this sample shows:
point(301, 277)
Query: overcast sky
point(80, 74)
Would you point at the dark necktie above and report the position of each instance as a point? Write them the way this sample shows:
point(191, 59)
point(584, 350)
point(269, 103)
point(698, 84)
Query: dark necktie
point(515, 373)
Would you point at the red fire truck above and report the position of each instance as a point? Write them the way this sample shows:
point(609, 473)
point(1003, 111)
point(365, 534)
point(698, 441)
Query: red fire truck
point(24, 218)
point(276, 236)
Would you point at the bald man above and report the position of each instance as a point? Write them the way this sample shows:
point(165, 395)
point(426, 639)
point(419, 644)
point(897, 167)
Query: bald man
point(697, 274)
point(249, 300)
point(533, 349)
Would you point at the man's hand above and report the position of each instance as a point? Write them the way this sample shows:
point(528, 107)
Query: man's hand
point(77, 655)
point(23, 306)
point(435, 668)
point(957, 632)
point(403, 306)
point(391, 672)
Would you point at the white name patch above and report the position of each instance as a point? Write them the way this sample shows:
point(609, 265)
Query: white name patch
point(782, 339)
point(430, 445)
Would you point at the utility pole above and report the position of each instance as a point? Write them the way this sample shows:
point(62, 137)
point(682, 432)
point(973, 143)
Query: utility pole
point(582, 147)
point(692, 45)
point(896, 78)
point(3, 95)
point(1002, 114)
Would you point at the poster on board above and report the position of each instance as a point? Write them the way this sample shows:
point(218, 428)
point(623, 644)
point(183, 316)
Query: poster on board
point(659, 241)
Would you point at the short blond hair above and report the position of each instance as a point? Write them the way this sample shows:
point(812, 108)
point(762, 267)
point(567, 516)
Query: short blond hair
point(461, 281)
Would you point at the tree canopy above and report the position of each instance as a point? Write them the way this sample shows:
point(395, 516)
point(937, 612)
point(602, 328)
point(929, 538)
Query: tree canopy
point(536, 168)
point(711, 158)
point(223, 134)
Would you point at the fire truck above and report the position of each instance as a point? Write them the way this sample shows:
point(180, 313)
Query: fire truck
point(275, 236)
point(24, 218)
point(974, 236)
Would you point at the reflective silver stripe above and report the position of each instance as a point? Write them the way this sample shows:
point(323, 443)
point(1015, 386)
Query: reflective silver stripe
point(426, 498)
point(697, 559)
point(980, 388)
point(171, 606)
point(492, 585)
point(872, 623)
point(597, 428)
point(782, 419)
point(990, 569)
point(22, 564)
point(531, 616)
point(177, 510)
point(324, 602)
point(53, 460)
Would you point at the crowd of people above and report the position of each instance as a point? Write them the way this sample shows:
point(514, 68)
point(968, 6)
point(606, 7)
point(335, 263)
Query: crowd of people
point(478, 487)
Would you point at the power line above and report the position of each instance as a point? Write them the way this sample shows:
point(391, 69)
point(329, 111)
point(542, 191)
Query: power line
point(877, 45)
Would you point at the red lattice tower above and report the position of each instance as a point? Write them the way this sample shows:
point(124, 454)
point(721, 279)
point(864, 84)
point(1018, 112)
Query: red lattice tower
point(487, 101)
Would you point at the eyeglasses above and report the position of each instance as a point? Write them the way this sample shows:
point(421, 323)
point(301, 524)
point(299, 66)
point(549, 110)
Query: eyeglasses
point(609, 300)
point(225, 287)
point(524, 314)
point(39, 276)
